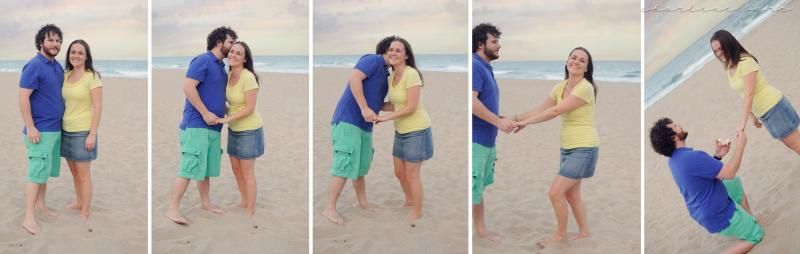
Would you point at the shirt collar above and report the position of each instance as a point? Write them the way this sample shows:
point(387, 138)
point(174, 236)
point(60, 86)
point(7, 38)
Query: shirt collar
point(44, 59)
point(477, 58)
point(217, 60)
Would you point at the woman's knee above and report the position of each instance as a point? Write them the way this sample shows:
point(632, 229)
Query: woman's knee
point(573, 196)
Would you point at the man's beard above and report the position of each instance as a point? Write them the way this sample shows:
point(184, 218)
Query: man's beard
point(47, 52)
point(682, 136)
point(491, 55)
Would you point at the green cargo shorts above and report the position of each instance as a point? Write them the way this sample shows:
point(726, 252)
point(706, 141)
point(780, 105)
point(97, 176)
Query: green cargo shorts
point(483, 159)
point(743, 225)
point(352, 151)
point(44, 158)
point(200, 153)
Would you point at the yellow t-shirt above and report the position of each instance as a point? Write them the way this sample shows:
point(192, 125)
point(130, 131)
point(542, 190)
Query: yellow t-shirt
point(418, 120)
point(765, 96)
point(577, 126)
point(78, 101)
point(234, 94)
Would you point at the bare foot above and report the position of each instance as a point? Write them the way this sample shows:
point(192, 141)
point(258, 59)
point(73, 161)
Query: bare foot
point(177, 217)
point(85, 216)
point(251, 212)
point(488, 236)
point(763, 218)
point(367, 206)
point(333, 216)
point(549, 241)
point(213, 208)
point(73, 206)
point(31, 226)
point(46, 210)
point(413, 216)
point(581, 235)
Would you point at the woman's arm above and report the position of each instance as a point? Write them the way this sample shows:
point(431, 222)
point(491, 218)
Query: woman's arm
point(412, 101)
point(97, 111)
point(749, 88)
point(250, 97)
point(549, 102)
point(570, 103)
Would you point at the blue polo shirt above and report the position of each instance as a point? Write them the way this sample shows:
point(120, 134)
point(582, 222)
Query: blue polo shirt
point(483, 82)
point(45, 78)
point(695, 173)
point(210, 71)
point(375, 89)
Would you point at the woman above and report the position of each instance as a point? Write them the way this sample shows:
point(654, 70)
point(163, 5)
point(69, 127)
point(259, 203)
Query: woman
point(245, 134)
point(413, 141)
point(761, 101)
point(83, 100)
point(574, 100)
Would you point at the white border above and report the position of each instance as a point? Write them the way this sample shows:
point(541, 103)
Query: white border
point(310, 126)
point(469, 128)
point(150, 126)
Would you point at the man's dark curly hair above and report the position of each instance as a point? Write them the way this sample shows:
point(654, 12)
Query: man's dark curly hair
point(44, 31)
point(661, 137)
point(481, 33)
point(384, 44)
point(219, 35)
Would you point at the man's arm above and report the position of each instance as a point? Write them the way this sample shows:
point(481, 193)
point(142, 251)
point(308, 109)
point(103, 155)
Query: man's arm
point(190, 89)
point(480, 110)
point(356, 82)
point(27, 117)
point(730, 169)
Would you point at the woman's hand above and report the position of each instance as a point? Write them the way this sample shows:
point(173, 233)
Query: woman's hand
point(757, 123)
point(225, 120)
point(91, 141)
point(381, 118)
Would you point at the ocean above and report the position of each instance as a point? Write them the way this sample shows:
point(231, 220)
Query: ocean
point(609, 71)
point(279, 64)
point(107, 68)
point(425, 62)
point(691, 59)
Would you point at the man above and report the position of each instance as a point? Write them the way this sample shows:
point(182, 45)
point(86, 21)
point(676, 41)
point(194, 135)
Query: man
point(201, 151)
point(485, 119)
point(713, 194)
point(42, 107)
point(351, 131)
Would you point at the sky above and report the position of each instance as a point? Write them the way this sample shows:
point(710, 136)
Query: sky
point(345, 27)
point(274, 27)
point(114, 30)
point(669, 32)
point(548, 30)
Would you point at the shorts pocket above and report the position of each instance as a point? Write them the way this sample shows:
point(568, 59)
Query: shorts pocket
point(190, 160)
point(37, 164)
point(342, 160)
point(489, 179)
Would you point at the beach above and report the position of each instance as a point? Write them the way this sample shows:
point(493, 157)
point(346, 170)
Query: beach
point(280, 224)
point(517, 206)
point(118, 219)
point(708, 109)
point(443, 227)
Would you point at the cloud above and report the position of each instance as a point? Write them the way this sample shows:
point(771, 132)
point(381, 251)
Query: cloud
point(543, 30)
point(114, 30)
point(180, 28)
point(355, 26)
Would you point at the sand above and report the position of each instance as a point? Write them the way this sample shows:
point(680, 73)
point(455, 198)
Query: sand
point(443, 228)
point(118, 222)
point(280, 224)
point(517, 205)
point(708, 109)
